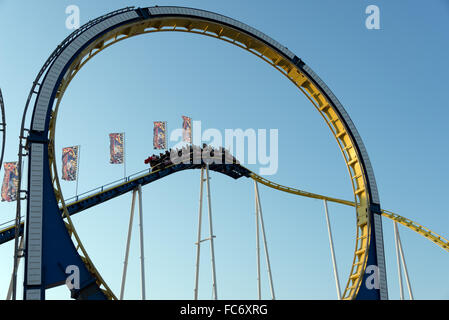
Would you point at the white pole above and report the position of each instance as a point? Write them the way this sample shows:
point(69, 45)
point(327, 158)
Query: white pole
point(401, 251)
point(142, 254)
point(396, 234)
point(258, 249)
point(265, 243)
point(259, 292)
point(18, 248)
point(8, 296)
point(214, 279)
point(331, 243)
point(130, 228)
point(124, 154)
point(198, 244)
point(78, 169)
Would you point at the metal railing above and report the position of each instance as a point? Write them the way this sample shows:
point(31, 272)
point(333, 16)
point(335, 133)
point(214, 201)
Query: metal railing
point(110, 185)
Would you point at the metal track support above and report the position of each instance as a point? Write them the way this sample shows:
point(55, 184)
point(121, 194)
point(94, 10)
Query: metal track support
point(211, 233)
point(259, 290)
point(265, 242)
point(396, 241)
point(142, 251)
point(331, 244)
point(130, 228)
point(401, 252)
point(198, 244)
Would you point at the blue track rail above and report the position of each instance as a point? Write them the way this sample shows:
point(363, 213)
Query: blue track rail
point(120, 187)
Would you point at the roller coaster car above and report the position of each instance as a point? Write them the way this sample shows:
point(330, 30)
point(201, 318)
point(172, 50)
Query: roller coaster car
point(162, 161)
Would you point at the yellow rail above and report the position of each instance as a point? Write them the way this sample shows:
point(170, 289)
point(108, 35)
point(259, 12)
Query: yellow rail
point(425, 232)
point(298, 192)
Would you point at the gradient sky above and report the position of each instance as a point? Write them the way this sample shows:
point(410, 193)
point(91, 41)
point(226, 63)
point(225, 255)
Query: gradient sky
point(392, 81)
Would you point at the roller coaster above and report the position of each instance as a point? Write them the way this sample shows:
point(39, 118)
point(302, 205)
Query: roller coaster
point(52, 242)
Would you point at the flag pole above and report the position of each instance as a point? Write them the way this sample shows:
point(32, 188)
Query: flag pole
point(77, 169)
point(124, 156)
point(165, 135)
point(16, 238)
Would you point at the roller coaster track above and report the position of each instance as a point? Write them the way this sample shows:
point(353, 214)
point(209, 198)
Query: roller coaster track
point(112, 190)
point(44, 190)
point(423, 231)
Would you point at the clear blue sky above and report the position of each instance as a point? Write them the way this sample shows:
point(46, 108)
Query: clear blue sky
point(392, 81)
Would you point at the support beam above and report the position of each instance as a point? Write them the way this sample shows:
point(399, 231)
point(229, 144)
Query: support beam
point(259, 290)
point(331, 243)
point(130, 228)
point(407, 279)
point(396, 240)
point(11, 284)
point(142, 251)
point(265, 242)
point(212, 252)
point(198, 244)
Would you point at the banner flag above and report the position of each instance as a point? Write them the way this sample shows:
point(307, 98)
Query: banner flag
point(186, 129)
point(70, 163)
point(159, 135)
point(10, 182)
point(116, 148)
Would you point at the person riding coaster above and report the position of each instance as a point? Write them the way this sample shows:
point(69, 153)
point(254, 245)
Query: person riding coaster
point(195, 155)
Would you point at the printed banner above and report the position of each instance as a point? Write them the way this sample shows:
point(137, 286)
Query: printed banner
point(10, 181)
point(116, 147)
point(186, 129)
point(69, 163)
point(159, 135)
